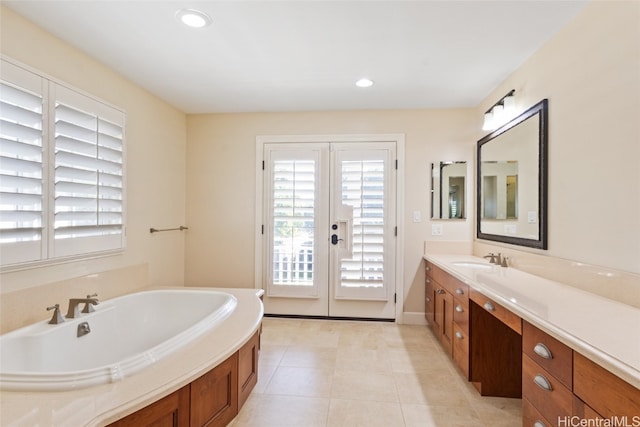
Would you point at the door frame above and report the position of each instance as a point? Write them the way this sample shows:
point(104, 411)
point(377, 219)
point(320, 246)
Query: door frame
point(398, 138)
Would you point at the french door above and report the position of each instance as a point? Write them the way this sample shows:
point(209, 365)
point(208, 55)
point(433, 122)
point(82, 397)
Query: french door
point(329, 240)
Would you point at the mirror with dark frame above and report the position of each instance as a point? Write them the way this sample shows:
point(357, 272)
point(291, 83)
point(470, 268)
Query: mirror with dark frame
point(448, 190)
point(511, 197)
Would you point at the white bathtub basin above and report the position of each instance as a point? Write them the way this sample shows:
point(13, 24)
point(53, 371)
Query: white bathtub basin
point(128, 333)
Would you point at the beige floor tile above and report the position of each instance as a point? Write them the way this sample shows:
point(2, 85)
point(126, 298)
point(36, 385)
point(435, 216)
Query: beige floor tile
point(309, 357)
point(411, 361)
point(441, 389)
point(271, 354)
point(374, 386)
point(440, 416)
point(498, 410)
point(362, 359)
point(293, 381)
point(361, 413)
point(265, 372)
point(361, 339)
point(283, 411)
point(316, 338)
point(337, 373)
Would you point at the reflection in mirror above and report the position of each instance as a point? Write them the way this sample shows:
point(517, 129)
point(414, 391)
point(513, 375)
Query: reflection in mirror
point(500, 189)
point(448, 195)
point(512, 181)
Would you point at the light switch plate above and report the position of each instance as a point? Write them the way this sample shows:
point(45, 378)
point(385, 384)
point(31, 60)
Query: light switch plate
point(436, 229)
point(417, 216)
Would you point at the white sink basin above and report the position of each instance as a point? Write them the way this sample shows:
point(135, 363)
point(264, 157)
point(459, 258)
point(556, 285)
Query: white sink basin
point(127, 334)
point(471, 264)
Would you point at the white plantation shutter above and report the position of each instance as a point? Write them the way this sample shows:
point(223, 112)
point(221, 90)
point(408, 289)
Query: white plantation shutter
point(21, 165)
point(363, 189)
point(88, 192)
point(61, 170)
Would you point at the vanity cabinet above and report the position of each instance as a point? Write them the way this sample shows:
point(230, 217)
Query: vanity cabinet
point(495, 351)
point(171, 410)
point(559, 383)
point(447, 311)
point(212, 400)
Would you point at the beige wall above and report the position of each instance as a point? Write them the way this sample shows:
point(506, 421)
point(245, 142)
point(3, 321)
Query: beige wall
point(590, 72)
point(156, 146)
point(221, 183)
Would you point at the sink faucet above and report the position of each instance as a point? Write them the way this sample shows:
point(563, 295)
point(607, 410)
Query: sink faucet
point(74, 311)
point(492, 256)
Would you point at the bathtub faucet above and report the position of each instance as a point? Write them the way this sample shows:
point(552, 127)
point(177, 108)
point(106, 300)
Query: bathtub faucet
point(74, 311)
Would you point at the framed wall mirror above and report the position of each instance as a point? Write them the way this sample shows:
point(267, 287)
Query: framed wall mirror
point(448, 190)
point(512, 181)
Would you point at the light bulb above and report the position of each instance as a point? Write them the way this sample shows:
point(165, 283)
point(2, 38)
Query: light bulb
point(193, 18)
point(488, 121)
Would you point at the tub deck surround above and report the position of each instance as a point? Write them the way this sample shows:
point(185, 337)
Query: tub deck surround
point(603, 330)
point(102, 404)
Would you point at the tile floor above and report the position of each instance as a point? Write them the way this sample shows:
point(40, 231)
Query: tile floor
point(337, 373)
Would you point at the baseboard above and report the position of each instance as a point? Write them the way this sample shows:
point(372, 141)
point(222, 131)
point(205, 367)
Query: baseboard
point(413, 318)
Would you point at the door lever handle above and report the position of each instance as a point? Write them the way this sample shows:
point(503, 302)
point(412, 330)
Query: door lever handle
point(334, 239)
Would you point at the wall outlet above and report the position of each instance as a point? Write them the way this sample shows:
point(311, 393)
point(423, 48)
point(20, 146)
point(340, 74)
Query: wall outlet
point(436, 229)
point(532, 217)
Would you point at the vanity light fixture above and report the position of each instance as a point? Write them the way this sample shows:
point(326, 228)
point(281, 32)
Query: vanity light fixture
point(364, 82)
point(193, 18)
point(500, 112)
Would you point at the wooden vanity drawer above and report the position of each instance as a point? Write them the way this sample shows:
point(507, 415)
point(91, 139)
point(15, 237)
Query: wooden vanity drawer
point(461, 349)
point(555, 357)
point(606, 393)
point(461, 315)
point(454, 286)
point(505, 316)
point(548, 395)
point(531, 417)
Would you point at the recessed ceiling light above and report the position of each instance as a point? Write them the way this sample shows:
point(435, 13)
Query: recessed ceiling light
point(193, 18)
point(364, 82)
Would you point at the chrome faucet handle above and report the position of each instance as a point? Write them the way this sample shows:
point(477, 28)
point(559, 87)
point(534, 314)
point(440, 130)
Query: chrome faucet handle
point(57, 317)
point(504, 262)
point(88, 307)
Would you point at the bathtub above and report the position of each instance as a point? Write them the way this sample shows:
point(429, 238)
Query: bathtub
point(127, 334)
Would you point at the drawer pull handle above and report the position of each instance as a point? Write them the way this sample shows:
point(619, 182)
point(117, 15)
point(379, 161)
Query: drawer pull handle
point(428, 268)
point(459, 335)
point(542, 382)
point(427, 299)
point(459, 308)
point(488, 306)
point(543, 351)
point(539, 423)
point(440, 291)
point(459, 291)
point(427, 280)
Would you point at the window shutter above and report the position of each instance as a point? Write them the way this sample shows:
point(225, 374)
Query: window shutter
point(21, 165)
point(363, 189)
point(88, 194)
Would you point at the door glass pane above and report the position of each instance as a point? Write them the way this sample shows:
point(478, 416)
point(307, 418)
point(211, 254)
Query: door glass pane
point(363, 190)
point(293, 201)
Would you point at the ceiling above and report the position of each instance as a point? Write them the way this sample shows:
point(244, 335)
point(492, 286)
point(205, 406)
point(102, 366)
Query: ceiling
point(306, 55)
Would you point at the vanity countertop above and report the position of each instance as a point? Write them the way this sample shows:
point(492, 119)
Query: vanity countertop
point(104, 404)
point(603, 330)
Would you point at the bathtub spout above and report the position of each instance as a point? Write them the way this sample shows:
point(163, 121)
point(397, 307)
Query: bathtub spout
point(73, 311)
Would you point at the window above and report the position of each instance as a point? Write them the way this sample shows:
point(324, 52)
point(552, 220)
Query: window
point(61, 171)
